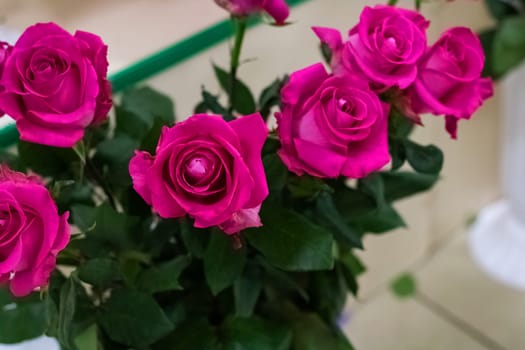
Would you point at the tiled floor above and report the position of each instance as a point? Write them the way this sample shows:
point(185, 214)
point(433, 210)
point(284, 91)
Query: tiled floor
point(457, 307)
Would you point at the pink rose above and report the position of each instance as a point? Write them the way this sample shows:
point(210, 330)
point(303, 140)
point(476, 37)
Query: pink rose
point(449, 80)
point(332, 126)
point(5, 50)
point(31, 232)
point(54, 84)
point(385, 46)
point(206, 168)
point(275, 8)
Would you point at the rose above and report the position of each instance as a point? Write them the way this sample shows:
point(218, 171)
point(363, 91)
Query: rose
point(31, 232)
point(275, 8)
point(5, 50)
point(449, 80)
point(385, 46)
point(331, 126)
point(206, 168)
point(54, 84)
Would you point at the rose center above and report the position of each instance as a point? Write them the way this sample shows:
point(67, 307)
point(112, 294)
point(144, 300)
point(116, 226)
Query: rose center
point(197, 168)
point(392, 41)
point(344, 105)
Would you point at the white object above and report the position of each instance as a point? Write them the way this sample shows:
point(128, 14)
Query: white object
point(42, 343)
point(497, 239)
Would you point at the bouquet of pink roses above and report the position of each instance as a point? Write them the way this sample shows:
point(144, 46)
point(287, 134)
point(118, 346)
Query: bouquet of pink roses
point(215, 232)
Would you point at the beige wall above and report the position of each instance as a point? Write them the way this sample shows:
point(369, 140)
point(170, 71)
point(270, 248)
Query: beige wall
point(135, 28)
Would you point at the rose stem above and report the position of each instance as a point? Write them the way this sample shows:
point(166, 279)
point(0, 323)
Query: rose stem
point(100, 181)
point(240, 28)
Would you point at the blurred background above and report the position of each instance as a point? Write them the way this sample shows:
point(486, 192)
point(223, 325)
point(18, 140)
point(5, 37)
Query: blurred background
point(458, 307)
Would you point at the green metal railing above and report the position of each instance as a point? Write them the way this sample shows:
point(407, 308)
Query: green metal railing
point(159, 62)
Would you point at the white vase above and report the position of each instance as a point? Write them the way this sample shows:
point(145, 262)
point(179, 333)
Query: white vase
point(497, 239)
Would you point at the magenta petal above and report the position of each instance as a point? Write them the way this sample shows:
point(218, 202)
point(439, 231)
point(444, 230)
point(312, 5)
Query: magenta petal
point(303, 83)
point(486, 87)
point(277, 9)
point(372, 153)
point(34, 33)
point(12, 259)
point(139, 166)
point(63, 234)
point(252, 132)
point(242, 219)
point(24, 282)
point(319, 161)
point(329, 36)
point(58, 137)
point(451, 125)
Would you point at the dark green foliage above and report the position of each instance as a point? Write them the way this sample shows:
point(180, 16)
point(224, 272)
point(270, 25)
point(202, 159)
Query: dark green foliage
point(139, 281)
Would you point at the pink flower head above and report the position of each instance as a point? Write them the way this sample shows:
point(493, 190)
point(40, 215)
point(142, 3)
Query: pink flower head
point(207, 168)
point(275, 8)
point(332, 126)
point(55, 84)
point(384, 47)
point(31, 232)
point(449, 81)
point(5, 50)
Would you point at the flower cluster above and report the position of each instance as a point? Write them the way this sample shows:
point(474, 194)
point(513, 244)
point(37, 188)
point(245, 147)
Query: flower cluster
point(388, 49)
point(330, 125)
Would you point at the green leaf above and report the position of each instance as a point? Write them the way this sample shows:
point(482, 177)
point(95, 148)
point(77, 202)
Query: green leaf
point(20, 320)
point(311, 333)
point(509, 45)
point(222, 263)
point(306, 187)
point(190, 335)
point(151, 138)
point(134, 319)
point(397, 152)
point(164, 277)
point(382, 219)
point(283, 281)
point(500, 9)
point(119, 149)
point(66, 313)
point(195, 240)
point(424, 159)
point(101, 272)
point(87, 340)
point(148, 104)
point(399, 125)
point(112, 227)
point(373, 185)
point(83, 217)
point(256, 334)
point(271, 96)
point(46, 160)
point(351, 267)
point(211, 103)
point(328, 213)
point(487, 41)
point(291, 242)
point(276, 174)
point(246, 290)
point(404, 286)
point(328, 291)
point(244, 101)
point(400, 185)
